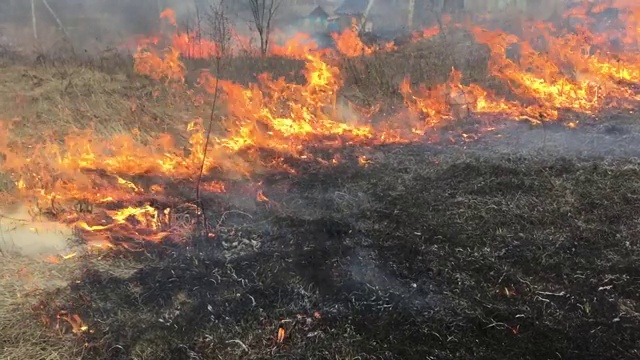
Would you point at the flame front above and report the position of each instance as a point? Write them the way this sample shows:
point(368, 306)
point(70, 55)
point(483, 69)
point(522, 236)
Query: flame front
point(90, 182)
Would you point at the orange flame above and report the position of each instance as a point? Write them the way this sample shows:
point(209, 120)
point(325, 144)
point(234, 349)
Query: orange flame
point(555, 71)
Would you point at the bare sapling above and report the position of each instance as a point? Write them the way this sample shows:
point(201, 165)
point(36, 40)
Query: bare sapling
point(263, 13)
point(220, 34)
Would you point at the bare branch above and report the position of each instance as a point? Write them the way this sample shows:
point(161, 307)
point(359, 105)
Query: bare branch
point(263, 12)
point(220, 34)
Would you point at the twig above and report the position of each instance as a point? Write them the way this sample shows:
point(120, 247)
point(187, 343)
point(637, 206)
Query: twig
point(224, 215)
point(240, 343)
point(221, 36)
point(263, 12)
point(2, 216)
point(206, 144)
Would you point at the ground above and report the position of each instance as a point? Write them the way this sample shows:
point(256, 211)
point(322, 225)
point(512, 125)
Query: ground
point(522, 244)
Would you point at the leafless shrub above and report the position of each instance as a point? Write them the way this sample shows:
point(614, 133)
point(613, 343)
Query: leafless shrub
point(220, 29)
point(263, 12)
point(220, 33)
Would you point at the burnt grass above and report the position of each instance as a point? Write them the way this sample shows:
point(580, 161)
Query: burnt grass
point(421, 254)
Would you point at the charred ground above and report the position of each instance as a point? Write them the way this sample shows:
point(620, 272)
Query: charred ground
point(423, 253)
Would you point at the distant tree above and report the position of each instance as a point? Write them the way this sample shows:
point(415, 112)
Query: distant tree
point(263, 12)
point(220, 29)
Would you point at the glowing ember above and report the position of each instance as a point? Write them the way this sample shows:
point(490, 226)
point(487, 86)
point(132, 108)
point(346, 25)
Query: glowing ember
point(77, 325)
point(261, 197)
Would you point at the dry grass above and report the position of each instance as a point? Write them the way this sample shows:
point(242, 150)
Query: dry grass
point(59, 92)
point(55, 97)
point(23, 282)
point(31, 287)
point(7, 184)
point(428, 62)
point(245, 69)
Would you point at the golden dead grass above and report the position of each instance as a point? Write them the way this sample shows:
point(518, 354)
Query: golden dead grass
point(6, 183)
point(26, 282)
point(53, 99)
point(22, 335)
point(44, 102)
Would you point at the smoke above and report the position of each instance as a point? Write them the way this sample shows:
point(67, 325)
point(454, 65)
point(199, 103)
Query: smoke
point(85, 24)
point(20, 234)
point(612, 137)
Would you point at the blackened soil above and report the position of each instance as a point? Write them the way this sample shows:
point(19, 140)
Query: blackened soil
point(414, 256)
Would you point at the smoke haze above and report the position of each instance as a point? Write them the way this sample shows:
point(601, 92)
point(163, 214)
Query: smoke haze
point(88, 23)
point(21, 234)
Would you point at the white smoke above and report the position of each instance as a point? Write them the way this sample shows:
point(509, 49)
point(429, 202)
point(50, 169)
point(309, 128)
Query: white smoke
point(21, 234)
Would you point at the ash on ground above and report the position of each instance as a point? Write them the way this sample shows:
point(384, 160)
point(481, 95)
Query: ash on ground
point(491, 250)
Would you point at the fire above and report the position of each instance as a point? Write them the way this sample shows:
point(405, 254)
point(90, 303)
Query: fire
point(196, 45)
point(214, 186)
point(349, 44)
point(94, 184)
point(168, 66)
point(169, 15)
point(455, 100)
point(77, 325)
point(282, 116)
point(296, 47)
point(363, 160)
point(143, 223)
point(425, 33)
point(261, 197)
point(544, 81)
point(281, 334)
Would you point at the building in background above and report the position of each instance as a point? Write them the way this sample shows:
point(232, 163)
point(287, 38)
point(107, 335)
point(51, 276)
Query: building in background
point(318, 19)
point(351, 10)
point(377, 15)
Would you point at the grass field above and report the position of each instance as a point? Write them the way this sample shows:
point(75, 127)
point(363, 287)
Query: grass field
point(522, 244)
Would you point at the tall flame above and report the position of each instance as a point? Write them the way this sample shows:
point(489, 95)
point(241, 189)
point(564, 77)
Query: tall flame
point(555, 70)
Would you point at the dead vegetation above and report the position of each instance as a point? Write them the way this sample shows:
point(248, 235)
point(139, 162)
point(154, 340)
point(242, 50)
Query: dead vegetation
point(55, 95)
point(422, 253)
point(442, 252)
point(24, 335)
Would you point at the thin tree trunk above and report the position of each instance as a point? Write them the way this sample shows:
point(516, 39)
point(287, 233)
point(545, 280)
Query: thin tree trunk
point(66, 34)
point(410, 15)
point(33, 20)
point(265, 43)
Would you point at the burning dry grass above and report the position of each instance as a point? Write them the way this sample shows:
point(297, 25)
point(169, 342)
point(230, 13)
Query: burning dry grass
point(23, 336)
point(30, 286)
point(53, 99)
point(427, 62)
point(423, 252)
